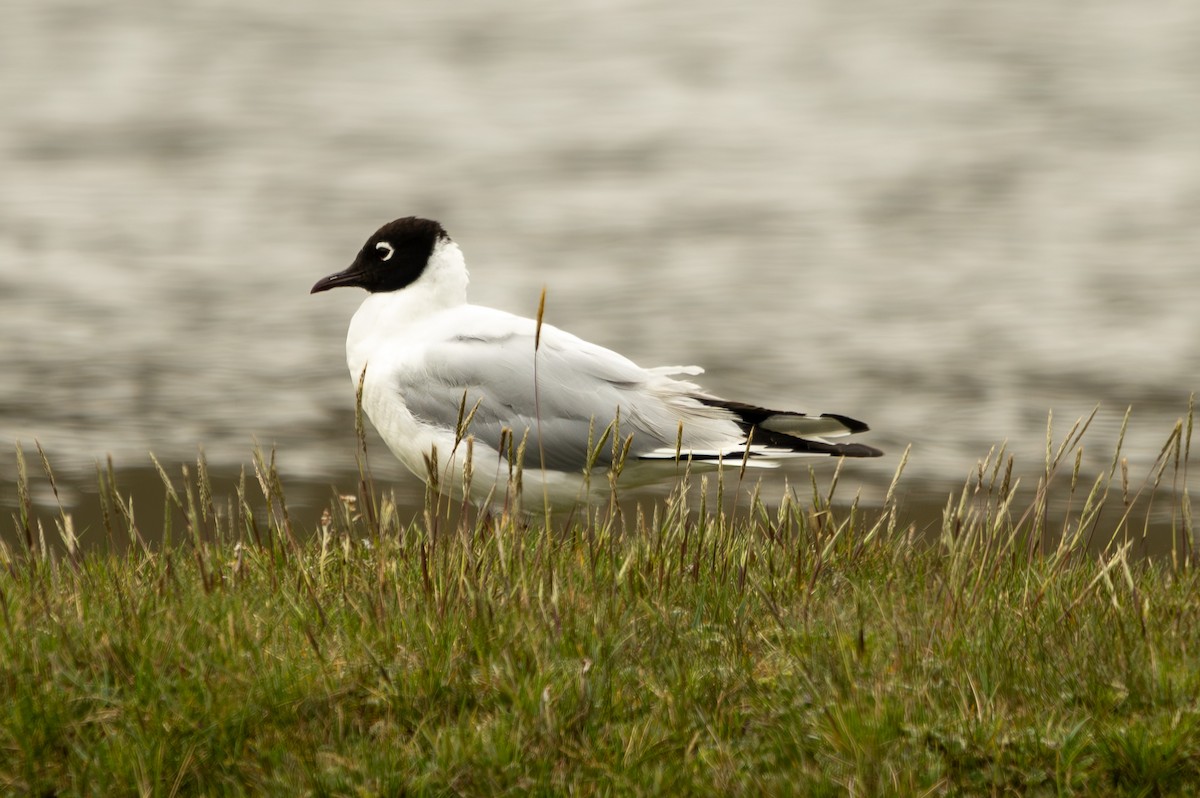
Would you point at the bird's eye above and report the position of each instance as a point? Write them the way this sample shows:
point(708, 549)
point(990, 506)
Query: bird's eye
point(385, 250)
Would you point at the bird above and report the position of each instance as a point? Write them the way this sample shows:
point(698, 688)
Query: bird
point(464, 395)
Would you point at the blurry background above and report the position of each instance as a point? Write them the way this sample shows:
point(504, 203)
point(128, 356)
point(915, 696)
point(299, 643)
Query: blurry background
point(943, 219)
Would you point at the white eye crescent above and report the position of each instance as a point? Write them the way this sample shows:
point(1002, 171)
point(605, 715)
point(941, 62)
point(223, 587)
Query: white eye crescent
point(386, 249)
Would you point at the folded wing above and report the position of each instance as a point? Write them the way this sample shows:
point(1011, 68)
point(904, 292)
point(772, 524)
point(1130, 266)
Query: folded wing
point(578, 390)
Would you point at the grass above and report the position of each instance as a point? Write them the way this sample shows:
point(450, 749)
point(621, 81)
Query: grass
point(815, 647)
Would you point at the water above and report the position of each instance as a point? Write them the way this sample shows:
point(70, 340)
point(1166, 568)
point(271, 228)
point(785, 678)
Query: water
point(946, 221)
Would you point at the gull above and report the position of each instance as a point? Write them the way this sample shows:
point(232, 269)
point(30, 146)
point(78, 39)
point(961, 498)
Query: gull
point(466, 395)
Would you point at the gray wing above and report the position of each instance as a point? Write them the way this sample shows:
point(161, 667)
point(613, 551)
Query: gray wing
point(581, 388)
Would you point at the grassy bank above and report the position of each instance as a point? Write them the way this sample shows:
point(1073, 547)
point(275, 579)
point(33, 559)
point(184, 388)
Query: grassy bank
point(816, 647)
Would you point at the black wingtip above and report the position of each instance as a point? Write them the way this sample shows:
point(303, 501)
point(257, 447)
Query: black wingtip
point(856, 450)
point(750, 417)
point(808, 446)
point(852, 424)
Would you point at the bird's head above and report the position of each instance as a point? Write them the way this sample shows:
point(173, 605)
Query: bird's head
point(393, 257)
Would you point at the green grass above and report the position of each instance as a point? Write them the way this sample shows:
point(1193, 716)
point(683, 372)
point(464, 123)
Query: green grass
point(813, 648)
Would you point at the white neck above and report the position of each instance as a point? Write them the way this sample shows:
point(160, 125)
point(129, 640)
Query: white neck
point(387, 316)
point(444, 281)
